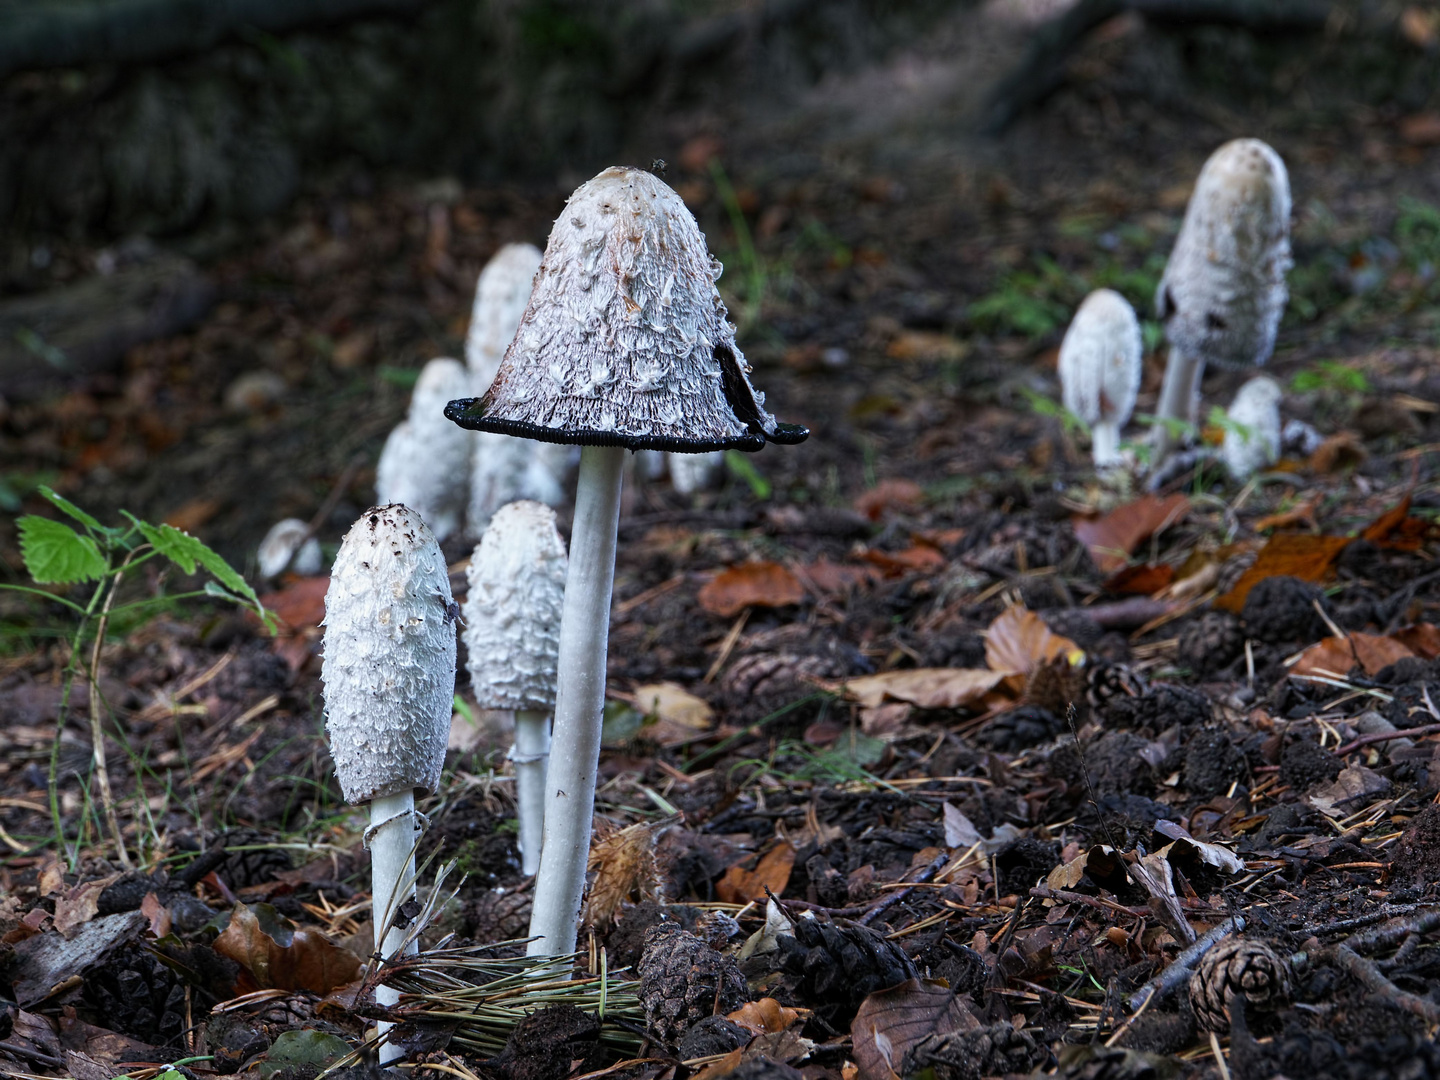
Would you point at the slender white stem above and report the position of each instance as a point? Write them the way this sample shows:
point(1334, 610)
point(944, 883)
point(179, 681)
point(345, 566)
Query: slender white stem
point(1179, 400)
point(579, 701)
point(392, 864)
point(1105, 443)
point(531, 755)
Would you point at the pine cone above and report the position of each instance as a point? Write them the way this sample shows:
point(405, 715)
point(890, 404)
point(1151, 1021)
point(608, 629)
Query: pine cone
point(1237, 966)
point(969, 1055)
point(1055, 686)
point(500, 915)
point(1019, 728)
point(136, 995)
point(840, 964)
point(243, 869)
point(683, 980)
point(1105, 681)
point(1210, 642)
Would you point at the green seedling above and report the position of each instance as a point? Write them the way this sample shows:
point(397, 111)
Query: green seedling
point(1041, 405)
point(742, 467)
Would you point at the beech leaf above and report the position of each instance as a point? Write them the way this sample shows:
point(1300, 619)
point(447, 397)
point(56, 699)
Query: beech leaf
point(757, 584)
point(890, 1022)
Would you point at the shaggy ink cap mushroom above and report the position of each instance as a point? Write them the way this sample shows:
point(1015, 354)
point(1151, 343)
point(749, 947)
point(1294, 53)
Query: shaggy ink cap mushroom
point(512, 610)
point(501, 296)
point(1223, 291)
point(389, 660)
point(1252, 431)
point(626, 341)
point(277, 550)
point(1100, 368)
point(425, 462)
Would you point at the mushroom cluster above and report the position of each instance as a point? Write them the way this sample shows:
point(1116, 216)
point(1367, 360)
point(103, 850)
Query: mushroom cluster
point(625, 344)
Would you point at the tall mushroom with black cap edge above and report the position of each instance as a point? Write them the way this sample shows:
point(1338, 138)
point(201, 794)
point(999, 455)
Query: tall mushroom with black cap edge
point(389, 675)
point(625, 344)
point(1223, 290)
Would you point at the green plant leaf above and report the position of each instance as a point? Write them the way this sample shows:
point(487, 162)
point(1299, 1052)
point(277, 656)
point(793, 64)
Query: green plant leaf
point(301, 1049)
point(185, 551)
point(55, 554)
point(65, 506)
point(741, 466)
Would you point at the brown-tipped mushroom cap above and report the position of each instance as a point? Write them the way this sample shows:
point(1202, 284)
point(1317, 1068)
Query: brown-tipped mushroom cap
point(1223, 290)
point(626, 341)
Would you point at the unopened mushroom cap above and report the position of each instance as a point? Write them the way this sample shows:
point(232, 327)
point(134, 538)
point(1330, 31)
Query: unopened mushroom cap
point(425, 463)
point(1252, 438)
point(278, 544)
point(389, 662)
point(1100, 359)
point(625, 341)
point(500, 298)
point(1223, 290)
point(512, 612)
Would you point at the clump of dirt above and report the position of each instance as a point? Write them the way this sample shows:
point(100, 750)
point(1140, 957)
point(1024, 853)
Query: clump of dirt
point(1021, 727)
point(1211, 643)
point(547, 1044)
point(472, 834)
point(1305, 763)
point(1283, 609)
point(1212, 763)
point(1115, 762)
point(1164, 705)
point(1021, 863)
point(1415, 859)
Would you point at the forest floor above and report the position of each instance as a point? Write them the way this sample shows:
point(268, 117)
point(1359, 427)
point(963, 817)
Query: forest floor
point(992, 721)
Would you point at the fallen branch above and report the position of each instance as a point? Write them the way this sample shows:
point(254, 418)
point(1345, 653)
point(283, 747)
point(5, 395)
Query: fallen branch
point(1180, 968)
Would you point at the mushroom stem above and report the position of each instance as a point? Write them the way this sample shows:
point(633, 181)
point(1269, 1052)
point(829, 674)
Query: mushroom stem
point(392, 882)
point(579, 701)
point(1105, 443)
point(531, 755)
point(1179, 400)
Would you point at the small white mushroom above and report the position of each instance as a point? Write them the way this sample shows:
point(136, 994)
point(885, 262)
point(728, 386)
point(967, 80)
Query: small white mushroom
point(280, 543)
point(504, 468)
point(512, 634)
point(1223, 290)
point(1252, 431)
point(1100, 369)
point(426, 462)
point(389, 676)
point(695, 472)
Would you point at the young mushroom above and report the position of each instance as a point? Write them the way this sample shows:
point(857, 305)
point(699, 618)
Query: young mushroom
point(425, 461)
point(503, 468)
point(512, 634)
point(277, 550)
point(1223, 290)
point(389, 675)
point(1100, 369)
point(1252, 429)
point(690, 473)
point(625, 344)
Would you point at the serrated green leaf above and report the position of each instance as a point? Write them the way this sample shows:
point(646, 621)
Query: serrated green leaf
point(65, 506)
point(185, 551)
point(55, 554)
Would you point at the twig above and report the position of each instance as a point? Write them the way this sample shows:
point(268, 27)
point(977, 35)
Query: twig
point(1183, 964)
point(97, 731)
point(1044, 892)
point(1219, 1056)
point(1369, 976)
point(936, 865)
point(1385, 736)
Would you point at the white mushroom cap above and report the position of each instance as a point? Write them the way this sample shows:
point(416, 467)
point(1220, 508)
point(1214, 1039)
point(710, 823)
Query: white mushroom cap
point(426, 461)
point(389, 662)
point(626, 341)
point(500, 298)
point(512, 612)
point(1252, 438)
point(280, 541)
point(1100, 361)
point(695, 472)
point(1223, 290)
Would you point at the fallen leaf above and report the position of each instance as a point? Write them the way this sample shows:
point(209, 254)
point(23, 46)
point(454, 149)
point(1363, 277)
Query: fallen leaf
point(191, 515)
point(300, 604)
point(157, 913)
point(740, 886)
point(1113, 538)
point(1423, 639)
point(890, 1022)
point(1335, 656)
point(889, 495)
point(757, 584)
point(960, 831)
point(1337, 453)
point(1214, 855)
point(276, 953)
point(825, 578)
point(766, 1016)
point(1354, 782)
point(678, 715)
point(1145, 579)
point(1301, 514)
point(1398, 530)
point(1018, 641)
point(1299, 555)
point(80, 905)
point(926, 688)
point(919, 557)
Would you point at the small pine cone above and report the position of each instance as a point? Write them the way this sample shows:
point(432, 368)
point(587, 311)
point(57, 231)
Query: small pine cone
point(136, 995)
point(500, 915)
point(256, 866)
point(1019, 728)
point(1237, 966)
point(1211, 642)
point(989, 1051)
point(683, 980)
point(1056, 685)
point(840, 964)
point(1104, 682)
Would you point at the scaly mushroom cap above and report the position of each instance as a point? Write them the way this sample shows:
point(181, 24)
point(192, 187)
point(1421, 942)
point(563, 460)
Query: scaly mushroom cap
point(389, 662)
point(512, 612)
point(626, 341)
point(1100, 359)
point(1252, 439)
point(501, 295)
point(426, 461)
point(1223, 290)
point(280, 541)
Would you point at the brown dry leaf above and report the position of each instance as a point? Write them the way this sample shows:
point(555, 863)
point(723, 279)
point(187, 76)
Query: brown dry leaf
point(1301, 514)
point(891, 1022)
point(1397, 530)
point(1300, 555)
point(740, 886)
point(80, 905)
point(1422, 639)
point(766, 1016)
point(1145, 579)
point(624, 868)
point(300, 604)
point(1354, 782)
point(679, 715)
point(724, 1067)
point(825, 578)
point(925, 345)
point(889, 495)
point(1112, 539)
point(927, 688)
point(1336, 656)
point(274, 952)
point(757, 584)
point(1018, 640)
point(918, 557)
point(1421, 129)
point(157, 913)
point(1337, 453)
